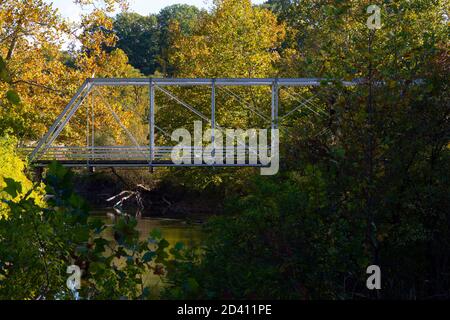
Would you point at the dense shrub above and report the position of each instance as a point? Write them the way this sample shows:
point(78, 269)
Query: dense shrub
point(38, 244)
point(12, 167)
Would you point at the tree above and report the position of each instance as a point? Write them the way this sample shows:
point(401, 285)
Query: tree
point(139, 39)
point(235, 40)
point(32, 36)
point(147, 39)
point(186, 17)
point(371, 189)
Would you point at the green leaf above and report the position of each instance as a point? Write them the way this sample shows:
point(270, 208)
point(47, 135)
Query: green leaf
point(13, 97)
point(100, 244)
point(13, 188)
point(163, 244)
point(155, 234)
point(179, 246)
point(4, 74)
point(97, 267)
point(148, 256)
point(98, 225)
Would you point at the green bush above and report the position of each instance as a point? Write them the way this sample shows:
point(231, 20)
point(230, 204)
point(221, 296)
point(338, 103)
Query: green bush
point(12, 167)
point(38, 243)
point(284, 244)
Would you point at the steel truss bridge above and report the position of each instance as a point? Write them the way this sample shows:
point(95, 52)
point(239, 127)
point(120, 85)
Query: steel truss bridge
point(152, 155)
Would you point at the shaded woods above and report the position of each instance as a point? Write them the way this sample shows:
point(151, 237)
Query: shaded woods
point(367, 184)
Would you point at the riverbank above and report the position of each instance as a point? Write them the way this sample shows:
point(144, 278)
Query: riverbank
point(146, 194)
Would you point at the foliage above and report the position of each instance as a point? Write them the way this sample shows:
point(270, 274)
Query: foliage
point(147, 39)
point(284, 244)
point(11, 95)
point(36, 80)
point(38, 243)
point(236, 40)
point(12, 169)
point(332, 40)
point(367, 185)
point(139, 39)
point(304, 235)
point(186, 18)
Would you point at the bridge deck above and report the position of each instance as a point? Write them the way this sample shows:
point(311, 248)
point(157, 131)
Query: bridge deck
point(137, 164)
point(140, 157)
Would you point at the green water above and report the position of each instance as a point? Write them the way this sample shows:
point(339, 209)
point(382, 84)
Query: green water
point(172, 230)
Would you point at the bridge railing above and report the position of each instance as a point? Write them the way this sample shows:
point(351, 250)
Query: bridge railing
point(144, 154)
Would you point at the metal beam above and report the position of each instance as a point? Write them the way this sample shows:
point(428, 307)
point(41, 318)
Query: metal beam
point(213, 117)
point(61, 126)
point(218, 82)
point(58, 120)
point(137, 164)
point(184, 104)
point(93, 125)
point(275, 104)
point(152, 120)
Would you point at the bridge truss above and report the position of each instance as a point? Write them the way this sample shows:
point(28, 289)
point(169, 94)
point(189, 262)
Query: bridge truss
point(151, 154)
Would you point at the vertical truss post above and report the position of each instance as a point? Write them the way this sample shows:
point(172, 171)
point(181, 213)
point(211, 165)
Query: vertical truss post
point(152, 120)
point(93, 125)
point(88, 106)
point(275, 104)
point(275, 92)
point(213, 117)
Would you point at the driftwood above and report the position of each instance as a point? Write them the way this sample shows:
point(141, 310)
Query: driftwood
point(126, 195)
point(136, 193)
point(123, 196)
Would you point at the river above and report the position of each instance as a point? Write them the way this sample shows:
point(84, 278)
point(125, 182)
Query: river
point(173, 230)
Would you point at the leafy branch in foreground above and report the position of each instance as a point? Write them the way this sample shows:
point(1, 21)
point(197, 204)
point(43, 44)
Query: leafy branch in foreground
point(38, 243)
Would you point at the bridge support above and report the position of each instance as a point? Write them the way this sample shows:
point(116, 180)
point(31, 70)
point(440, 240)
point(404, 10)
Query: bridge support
point(151, 122)
point(275, 104)
point(213, 117)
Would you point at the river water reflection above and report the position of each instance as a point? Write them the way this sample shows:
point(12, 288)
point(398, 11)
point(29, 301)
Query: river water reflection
point(173, 230)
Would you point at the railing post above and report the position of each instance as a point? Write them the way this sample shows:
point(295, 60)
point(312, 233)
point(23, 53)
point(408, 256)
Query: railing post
point(152, 121)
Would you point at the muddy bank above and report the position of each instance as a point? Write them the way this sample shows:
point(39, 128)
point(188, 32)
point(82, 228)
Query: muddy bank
point(144, 193)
